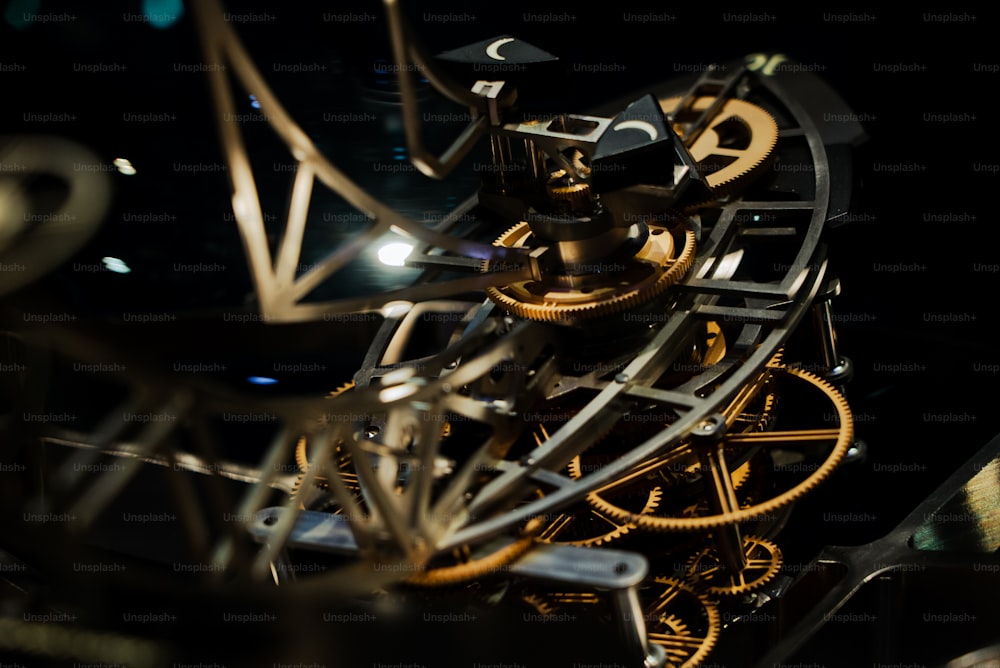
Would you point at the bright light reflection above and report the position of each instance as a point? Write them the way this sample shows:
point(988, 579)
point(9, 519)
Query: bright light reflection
point(116, 265)
point(394, 254)
point(261, 380)
point(397, 392)
point(125, 166)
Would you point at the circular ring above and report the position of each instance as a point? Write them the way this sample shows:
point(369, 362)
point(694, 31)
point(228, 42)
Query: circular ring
point(763, 561)
point(843, 439)
point(674, 614)
point(660, 263)
point(39, 248)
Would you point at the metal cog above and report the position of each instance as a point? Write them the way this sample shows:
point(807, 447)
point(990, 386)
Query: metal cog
point(676, 625)
point(681, 620)
point(479, 567)
point(575, 196)
point(705, 569)
point(737, 143)
point(842, 436)
point(653, 269)
point(341, 456)
point(617, 529)
point(681, 471)
point(540, 604)
point(301, 454)
point(577, 515)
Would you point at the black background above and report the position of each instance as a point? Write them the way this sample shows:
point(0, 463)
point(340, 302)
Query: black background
point(933, 415)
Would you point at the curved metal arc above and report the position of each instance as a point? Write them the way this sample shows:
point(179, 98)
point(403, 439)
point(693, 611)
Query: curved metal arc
point(821, 173)
point(407, 51)
point(573, 490)
point(245, 198)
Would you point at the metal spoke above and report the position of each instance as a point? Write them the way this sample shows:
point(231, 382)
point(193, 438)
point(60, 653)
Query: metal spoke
point(779, 438)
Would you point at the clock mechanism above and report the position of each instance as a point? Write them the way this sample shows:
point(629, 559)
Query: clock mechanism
point(566, 419)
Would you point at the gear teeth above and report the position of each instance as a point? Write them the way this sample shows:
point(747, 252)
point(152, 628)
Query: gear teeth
point(459, 573)
point(562, 312)
point(681, 599)
point(653, 496)
point(501, 241)
point(301, 447)
point(764, 561)
point(349, 385)
point(575, 196)
point(843, 438)
point(756, 156)
point(541, 606)
point(301, 457)
point(676, 624)
point(574, 468)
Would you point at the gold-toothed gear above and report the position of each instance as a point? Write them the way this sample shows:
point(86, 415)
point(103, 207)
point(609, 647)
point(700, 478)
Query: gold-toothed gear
point(653, 497)
point(575, 195)
point(301, 454)
point(749, 160)
point(568, 519)
point(675, 624)
point(739, 476)
point(533, 300)
point(763, 562)
point(539, 604)
point(670, 624)
point(616, 528)
point(490, 564)
point(302, 457)
point(843, 436)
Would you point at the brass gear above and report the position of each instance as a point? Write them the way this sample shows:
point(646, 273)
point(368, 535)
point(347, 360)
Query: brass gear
point(705, 569)
point(539, 604)
point(345, 469)
point(842, 436)
point(687, 468)
point(576, 196)
point(680, 620)
point(752, 422)
point(473, 569)
point(660, 263)
point(609, 530)
point(736, 145)
point(676, 625)
point(341, 457)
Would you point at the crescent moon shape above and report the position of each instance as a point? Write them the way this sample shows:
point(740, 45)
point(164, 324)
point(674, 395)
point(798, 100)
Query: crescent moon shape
point(646, 127)
point(493, 49)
